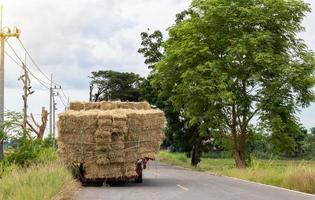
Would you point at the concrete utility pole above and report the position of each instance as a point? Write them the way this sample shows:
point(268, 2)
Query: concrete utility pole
point(50, 104)
point(53, 93)
point(5, 33)
point(54, 121)
point(27, 91)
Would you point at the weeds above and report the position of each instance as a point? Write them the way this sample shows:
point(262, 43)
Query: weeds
point(37, 182)
point(291, 174)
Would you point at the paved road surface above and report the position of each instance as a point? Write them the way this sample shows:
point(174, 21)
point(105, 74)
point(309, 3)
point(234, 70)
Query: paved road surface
point(163, 182)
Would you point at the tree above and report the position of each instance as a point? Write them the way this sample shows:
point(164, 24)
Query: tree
point(112, 85)
point(226, 62)
point(181, 136)
point(40, 130)
point(309, 144)
point(151, 47)
point(11, 126)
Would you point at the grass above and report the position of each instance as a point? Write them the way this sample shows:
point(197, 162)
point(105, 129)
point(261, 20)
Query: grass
point(290, 174)
point(37, 182)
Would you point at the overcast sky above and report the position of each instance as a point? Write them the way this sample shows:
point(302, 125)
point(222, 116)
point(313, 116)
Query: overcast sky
point(74, 37)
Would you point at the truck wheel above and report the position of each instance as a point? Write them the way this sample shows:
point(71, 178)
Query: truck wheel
point(139, 178)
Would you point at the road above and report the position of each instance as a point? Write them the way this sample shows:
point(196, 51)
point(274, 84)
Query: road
point(163, 182)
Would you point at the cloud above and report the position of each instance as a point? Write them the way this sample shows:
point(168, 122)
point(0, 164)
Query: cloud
point(74, 37)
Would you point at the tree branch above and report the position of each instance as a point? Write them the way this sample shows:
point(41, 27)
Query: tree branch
point(250, 117)
point(33, 119)
point(33, 129)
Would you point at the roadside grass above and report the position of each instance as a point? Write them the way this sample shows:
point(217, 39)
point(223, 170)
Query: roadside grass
point(36, 182)
point(290, 174)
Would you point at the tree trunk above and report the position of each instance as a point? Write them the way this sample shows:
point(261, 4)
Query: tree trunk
point(242, 145)
point(239, 159)
point(196, 153)
point(238, 147)
point(1, 150)
point(41, 127)
point(91, 92)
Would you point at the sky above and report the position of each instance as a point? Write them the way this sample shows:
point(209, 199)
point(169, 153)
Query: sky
point(72, 38)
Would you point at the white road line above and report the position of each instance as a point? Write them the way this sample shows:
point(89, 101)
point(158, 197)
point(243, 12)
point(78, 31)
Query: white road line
point(154, 173)
point(183, 188)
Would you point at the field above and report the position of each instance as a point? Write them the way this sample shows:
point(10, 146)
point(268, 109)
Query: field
point(291, 174)
point(38, 182)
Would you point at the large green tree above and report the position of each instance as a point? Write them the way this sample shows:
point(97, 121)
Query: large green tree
point(227, 62)
point(112, 85)
point(178, 133)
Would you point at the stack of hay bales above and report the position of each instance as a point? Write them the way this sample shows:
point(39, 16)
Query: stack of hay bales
point(109, 137)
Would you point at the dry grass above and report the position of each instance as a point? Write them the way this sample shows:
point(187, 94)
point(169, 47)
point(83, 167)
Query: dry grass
point(39, 182)
point(294, 175)
point(68, 191)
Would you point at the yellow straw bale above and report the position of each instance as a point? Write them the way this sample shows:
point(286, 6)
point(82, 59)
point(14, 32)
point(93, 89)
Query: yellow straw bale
point(108, 105)
point(76, 105)
point(92, 105)
point(109, 137)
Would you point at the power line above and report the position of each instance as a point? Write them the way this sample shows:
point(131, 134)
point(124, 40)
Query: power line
point(35, 64)
point(32, 59)
point(41, 81)
point(65, 96)
point(21, 66)
point(47, 83)
point(62, 101)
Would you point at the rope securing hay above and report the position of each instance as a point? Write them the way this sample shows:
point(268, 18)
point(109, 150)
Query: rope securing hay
point(109, 137)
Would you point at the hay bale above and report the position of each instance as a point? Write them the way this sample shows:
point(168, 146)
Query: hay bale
point(76, 105)
point(92, 106)
point(109, 137)
point(143, 105)
point(133, 105)
point(108, 105)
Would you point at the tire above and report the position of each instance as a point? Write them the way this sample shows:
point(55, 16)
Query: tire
point(139, 178)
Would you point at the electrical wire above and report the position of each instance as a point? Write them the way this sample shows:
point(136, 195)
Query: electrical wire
point(62, 101)
point(21, 66)
point(33, 61)
point(66, 98)
point(38, 68)
point(35, 64)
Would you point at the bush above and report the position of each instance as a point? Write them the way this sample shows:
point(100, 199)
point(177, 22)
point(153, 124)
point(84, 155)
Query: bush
point(30, 151)
point(37, 182)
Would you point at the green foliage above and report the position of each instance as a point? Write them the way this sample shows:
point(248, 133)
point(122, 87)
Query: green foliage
point(292, 174)
point(26, 149)
point(38, 182)
point(11, 125)
point(30, 152)
point(112, 85)
point(309, 145)
point(181, 136)
point(151, 47)
point(228, 61)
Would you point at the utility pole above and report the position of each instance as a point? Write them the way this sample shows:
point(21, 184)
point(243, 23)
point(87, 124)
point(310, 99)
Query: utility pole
point(50, 105)
point(5, 33)
point(52, 118)
point(68, 104)
point(54, 127)
point(27, 91)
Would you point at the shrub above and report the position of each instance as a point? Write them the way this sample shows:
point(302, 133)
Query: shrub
point(37, 182)
point(30, 151)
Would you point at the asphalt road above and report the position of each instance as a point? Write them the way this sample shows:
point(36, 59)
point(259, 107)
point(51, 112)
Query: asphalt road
point(162, 182)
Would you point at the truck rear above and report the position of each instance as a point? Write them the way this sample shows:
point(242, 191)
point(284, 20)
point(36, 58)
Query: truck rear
point(110, 141)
